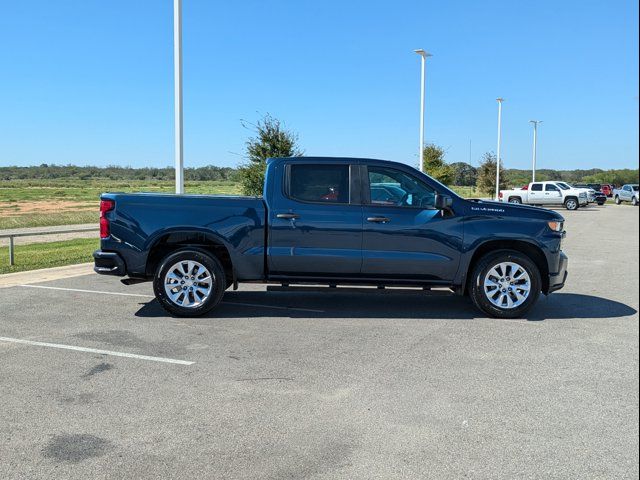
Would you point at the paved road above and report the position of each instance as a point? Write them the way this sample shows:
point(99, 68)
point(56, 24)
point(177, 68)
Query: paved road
point(329, 386)
point(49, 238)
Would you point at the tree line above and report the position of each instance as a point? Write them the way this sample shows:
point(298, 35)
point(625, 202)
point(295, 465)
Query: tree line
point(74, 172)
point(272, 139)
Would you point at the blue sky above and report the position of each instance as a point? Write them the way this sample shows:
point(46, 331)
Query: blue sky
point(90, 82)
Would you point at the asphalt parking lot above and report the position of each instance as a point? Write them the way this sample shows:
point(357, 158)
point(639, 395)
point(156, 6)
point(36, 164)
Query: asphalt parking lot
point(328, 385)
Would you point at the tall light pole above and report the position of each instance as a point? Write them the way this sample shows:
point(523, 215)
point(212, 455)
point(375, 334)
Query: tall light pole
point(499, 100)
point(177, 93)
point(424, 56)
point(535, 143)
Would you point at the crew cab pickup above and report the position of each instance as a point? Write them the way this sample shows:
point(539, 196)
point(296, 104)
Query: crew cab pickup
point(628, 193)
point(547, 193)
point(333, 221)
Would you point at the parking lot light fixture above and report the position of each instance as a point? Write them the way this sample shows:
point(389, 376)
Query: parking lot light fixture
point(177, 92)
point(535, 143)
point(424, 55)
point(499, 100)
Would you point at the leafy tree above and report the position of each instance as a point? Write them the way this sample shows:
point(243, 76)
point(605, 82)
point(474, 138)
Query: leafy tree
point(464, 175)
point(487, 175)
point(271, 140)
point(433, 164)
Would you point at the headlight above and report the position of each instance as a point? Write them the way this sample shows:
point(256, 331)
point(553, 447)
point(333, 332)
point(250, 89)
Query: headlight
point(556, 226)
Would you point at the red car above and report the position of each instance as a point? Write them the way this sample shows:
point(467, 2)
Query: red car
point(607, 189)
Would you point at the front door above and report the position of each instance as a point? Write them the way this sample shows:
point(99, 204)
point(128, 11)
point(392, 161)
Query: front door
point(315, 226)
point(552, 194)
point(405, 237)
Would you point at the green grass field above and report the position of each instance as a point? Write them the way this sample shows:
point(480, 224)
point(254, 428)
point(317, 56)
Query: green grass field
point(39, 203)
point(45, 255)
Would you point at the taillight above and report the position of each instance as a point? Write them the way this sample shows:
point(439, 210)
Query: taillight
point(500, 195)
point(105, 206)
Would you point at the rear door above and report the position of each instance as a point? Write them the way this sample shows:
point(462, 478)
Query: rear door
point(405, 237)
point(315, 221)
point(536, 193)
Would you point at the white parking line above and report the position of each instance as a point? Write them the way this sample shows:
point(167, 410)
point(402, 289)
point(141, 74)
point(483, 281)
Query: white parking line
point(87, 291)
point(95, 350)
point(252, 305)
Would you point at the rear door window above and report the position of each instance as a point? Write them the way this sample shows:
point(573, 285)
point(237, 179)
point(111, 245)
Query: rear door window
point(536, 187)
point(319, 183)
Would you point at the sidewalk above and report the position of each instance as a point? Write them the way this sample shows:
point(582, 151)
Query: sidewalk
point(45, 274)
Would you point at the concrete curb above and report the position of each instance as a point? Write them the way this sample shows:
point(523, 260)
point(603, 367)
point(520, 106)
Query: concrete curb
point(45, 274)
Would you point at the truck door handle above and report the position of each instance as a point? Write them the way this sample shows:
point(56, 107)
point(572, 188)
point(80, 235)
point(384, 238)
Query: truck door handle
point(378, 219)
point(288, 216)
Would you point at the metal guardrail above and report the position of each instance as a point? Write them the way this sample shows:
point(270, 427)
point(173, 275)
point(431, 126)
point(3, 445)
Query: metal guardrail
point(11, 236)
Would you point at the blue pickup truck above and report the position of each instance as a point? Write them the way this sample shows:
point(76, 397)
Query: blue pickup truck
point(333, 221)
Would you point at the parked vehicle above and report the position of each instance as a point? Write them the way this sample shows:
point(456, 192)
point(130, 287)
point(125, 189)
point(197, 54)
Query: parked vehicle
point(628, 193)
point(546, 193)
point(591, 193)
point(600, 198)
point(607, 189)
point(318, 223)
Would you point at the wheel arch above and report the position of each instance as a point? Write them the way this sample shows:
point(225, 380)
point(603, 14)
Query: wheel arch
point(531, 250)
point(177, 240)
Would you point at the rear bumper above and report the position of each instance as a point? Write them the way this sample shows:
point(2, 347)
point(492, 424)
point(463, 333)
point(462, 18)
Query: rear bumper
point(109, 263)
point(558, 279)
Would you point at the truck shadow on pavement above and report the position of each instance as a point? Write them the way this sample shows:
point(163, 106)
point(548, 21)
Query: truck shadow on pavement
point(259, 304)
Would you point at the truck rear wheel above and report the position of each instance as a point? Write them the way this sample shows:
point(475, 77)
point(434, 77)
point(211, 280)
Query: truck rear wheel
point(516, 200)
point(505, 284)
point(189, 283)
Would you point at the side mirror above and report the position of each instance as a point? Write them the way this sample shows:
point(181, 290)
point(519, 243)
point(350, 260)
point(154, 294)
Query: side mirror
point(443, 202)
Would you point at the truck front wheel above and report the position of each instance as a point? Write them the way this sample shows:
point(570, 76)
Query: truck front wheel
point(505, 284)
point(571, 204)
point(189, 283)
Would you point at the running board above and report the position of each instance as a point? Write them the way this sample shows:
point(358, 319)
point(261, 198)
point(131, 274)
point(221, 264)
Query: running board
point(375, 289)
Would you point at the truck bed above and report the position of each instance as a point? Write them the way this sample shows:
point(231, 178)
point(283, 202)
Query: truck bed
point(140, 221)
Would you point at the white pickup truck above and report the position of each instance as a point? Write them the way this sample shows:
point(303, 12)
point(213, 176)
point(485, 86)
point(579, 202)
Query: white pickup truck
point(547, 193)
point(628, 193)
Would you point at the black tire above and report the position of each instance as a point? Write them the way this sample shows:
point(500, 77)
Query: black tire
point(634, 201)
point(516, 200)
point(571, 203)
point(218, 282)
point(618, 201)
point(485, 264)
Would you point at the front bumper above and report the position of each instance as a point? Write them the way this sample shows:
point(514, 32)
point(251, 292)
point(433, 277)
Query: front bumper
point(109, 263)
point(558, 279)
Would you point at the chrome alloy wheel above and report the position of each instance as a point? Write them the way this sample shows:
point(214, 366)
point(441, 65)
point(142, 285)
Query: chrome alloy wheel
point(507, 285)
point(188, 284)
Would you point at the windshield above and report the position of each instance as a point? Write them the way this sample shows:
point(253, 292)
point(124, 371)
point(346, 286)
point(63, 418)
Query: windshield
point(563, 186)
